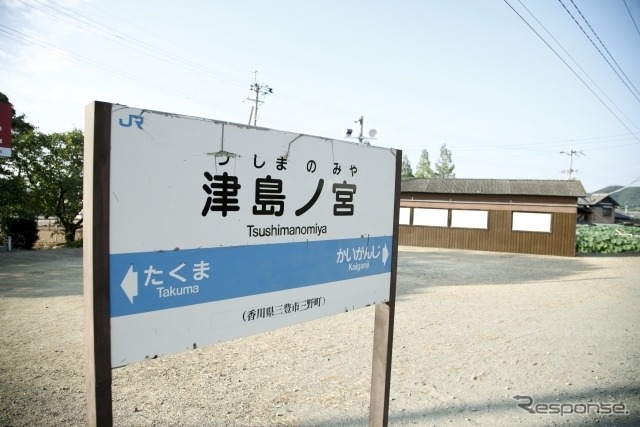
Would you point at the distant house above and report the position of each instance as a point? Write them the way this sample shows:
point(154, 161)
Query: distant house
point(521, 216)
point(597, 208)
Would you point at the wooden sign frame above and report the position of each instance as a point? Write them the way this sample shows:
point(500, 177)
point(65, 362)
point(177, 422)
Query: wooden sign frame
point(96, 275)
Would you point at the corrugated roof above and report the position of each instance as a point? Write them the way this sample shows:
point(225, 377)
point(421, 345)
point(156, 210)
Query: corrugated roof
point(529, 187)
point(595, 198)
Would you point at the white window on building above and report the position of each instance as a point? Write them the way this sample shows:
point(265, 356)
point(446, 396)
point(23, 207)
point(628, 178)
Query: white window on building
point(431, 217)
point(469, 219)
point(529, 221)
point(405, 216)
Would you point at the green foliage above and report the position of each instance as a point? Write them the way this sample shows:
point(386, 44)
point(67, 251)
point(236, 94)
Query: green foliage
point(23, 231)
point(55, 174)
point(423, 168)
point(43, 176)
point(607, 239)
point(14, 197)
point(444, 165)
point(406, 167)
point(443, 168)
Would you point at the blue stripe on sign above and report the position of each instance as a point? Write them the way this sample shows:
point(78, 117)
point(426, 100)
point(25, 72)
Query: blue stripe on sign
point(150, 281)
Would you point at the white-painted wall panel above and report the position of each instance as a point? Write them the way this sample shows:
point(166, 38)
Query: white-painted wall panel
point(529, 221)
point(431, 217)
point(469, 219)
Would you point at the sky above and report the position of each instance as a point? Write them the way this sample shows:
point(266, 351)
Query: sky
point(510, 86)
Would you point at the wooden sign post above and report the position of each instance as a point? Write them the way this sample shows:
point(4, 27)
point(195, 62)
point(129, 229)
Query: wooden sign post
point(318, 219)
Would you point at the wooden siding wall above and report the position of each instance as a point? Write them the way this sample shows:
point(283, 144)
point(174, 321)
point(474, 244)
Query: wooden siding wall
point(498, 237)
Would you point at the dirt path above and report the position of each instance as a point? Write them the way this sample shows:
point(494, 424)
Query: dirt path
point(472, 330)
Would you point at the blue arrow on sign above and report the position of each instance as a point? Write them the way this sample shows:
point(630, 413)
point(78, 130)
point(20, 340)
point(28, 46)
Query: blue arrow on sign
point(150, 281)
point(130, 284)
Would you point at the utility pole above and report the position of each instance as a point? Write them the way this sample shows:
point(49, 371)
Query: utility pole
point(571, 153)
point(259, 89)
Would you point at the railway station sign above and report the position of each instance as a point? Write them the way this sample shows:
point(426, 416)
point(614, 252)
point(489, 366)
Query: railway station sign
point(219, 230)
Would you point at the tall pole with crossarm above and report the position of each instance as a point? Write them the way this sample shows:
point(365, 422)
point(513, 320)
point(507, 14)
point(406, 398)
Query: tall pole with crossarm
point(259, 89)
point(571, 153)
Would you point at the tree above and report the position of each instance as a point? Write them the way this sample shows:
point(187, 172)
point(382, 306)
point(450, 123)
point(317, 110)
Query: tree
point(406, 167)
point(423, 168)
point(55, 174)
point(43, 176)
point(444, 165)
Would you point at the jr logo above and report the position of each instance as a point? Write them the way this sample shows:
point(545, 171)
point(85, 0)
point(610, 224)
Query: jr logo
point(138, 120)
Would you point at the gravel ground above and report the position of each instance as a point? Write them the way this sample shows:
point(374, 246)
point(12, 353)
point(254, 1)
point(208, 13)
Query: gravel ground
point(473, 329)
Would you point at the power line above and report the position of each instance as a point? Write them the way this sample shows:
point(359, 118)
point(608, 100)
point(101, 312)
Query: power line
point(110, 34)
point(166, 39)
point(121, 38)
point(572, 70)
point(27, 40)
point(626, 186)
point(578, 65)
point(633, 20)
point(609, 147)
point(605, 47)
point(598, 49)
point(131, 43)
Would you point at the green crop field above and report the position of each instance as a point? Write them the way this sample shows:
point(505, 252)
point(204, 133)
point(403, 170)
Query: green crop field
point(607, 239)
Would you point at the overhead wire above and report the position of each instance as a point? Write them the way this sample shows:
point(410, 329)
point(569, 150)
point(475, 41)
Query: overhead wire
point(122, 36)
point(626, 186)
point(25, 39)
point(599, 51)
point(578, 65)
point(571, 69)
point(340, 111)
point(631, 16)
point(142, 47)
point(131, 43)
point(163, 38)
point(238, 82)
point(604, 46)
point(283, 94)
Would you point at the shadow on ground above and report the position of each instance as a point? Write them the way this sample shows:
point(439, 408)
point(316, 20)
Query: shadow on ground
point(507, 409)
point(38, 274)
point(419, 269)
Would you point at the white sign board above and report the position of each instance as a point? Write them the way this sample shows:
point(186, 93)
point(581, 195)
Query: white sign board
point(219, 230)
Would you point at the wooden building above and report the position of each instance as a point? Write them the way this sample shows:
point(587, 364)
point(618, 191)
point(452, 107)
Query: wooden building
point(521, 216)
